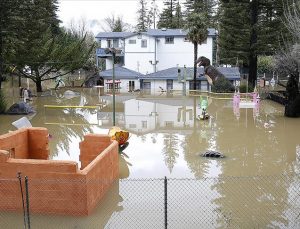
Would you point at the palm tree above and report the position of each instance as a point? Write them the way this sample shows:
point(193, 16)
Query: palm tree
point(196, 25)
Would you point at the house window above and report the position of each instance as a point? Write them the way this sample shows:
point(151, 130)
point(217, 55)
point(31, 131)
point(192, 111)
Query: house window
point(132, 41)
point(144, 124)
point(169, 124)
point(109, 43)
point(169, 40)
point(132, 126)
point(131, 85)
point(116, 43)
point(144, 43)
point(169, 85)
point(112, 43)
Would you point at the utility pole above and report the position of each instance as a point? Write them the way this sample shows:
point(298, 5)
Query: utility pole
point(253, 42)
point(1, 44)
point(1, 57)
point(113, 52)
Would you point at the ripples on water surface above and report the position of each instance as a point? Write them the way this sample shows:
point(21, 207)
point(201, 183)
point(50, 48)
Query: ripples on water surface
point(166, 140)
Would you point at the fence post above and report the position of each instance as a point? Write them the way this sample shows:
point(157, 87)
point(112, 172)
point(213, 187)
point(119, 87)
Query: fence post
point(166, 201)
point(27, 201)
point(20, 183)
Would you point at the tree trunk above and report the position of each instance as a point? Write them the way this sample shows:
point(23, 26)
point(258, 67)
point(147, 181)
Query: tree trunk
point(1, 58)
point(195, 64)
point(253, 41)
point(292, 108)
point(38, 84)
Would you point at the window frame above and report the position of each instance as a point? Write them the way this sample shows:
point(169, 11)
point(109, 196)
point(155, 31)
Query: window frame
point(169, 40)
point(144, 43)
point(132, 41)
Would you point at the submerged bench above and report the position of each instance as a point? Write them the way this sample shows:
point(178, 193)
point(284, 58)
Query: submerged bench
point(55, 186)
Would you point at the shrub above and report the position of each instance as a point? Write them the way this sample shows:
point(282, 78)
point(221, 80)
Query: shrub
point(265, 64)
point(2, 102)
point(243, 88)
point(222, 85)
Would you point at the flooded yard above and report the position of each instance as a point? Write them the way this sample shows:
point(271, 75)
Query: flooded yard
point(254, 185)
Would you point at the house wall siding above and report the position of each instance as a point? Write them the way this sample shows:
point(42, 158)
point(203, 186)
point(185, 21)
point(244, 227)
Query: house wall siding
point(179, 53)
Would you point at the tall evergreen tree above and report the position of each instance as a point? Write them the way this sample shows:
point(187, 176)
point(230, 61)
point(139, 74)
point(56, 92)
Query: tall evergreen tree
point(249, 29)
point(143, 19)
point(166, 19)
point(178, 21)
point(11, 22)
point(207, 7)
point(234, 32)
point(46, 49)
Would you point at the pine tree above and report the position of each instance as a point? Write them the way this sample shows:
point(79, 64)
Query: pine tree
point(207, 7)
point(46, 48)
point(178, 21)
point(249, 29)
point(234, 32)
point(10, 24)
point(143, 19)
point(166, 19)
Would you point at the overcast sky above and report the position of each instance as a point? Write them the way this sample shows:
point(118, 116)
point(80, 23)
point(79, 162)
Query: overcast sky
point(94, 11)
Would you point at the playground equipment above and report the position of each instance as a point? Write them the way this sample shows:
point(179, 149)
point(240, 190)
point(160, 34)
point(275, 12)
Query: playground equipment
point(245, 103)
point(59, 83)
point(121, 136)
point(69, 106)
point(203, 106)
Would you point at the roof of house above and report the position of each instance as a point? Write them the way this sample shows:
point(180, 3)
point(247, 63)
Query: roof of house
point(231, 73)
point(151, 32)
point(120, 73)
point(114, 34)
point(173, 32)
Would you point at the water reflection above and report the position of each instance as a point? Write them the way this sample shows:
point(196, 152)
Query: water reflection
point(166, 134)
point(167, 138)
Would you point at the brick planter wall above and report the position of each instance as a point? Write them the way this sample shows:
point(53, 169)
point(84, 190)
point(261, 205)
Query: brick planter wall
point(55, 187)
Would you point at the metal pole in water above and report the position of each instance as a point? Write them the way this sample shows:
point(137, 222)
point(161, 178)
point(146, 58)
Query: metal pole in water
point(184, 81)
point(27, 201)
point(166, 201)
point(114, 93)
point(20, 182)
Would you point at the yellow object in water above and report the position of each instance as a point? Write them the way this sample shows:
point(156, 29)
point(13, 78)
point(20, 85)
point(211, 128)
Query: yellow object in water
point(121, 136)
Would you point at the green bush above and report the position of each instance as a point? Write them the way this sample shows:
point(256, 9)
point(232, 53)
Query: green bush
point(2, 103)
point(265, 64)
point(243, 88)
point(222, 85)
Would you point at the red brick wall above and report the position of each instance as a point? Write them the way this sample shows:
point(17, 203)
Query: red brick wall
point(56, 187)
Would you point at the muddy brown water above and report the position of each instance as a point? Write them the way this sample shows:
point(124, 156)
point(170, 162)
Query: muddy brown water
point(166, 139)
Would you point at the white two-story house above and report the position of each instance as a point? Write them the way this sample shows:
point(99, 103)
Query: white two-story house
point(154, 50)
point(151, 60)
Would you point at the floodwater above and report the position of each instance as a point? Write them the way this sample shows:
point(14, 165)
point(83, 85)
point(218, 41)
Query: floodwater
point(261, 148)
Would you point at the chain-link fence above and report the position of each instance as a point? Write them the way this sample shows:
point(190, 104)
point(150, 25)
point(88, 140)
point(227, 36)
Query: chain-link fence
point(224, 202)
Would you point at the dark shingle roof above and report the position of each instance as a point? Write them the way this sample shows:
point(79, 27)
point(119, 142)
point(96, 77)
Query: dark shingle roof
point(231, 73)
point(173, 32)
point(113, 34)
point(151, 32)
point(121, 73)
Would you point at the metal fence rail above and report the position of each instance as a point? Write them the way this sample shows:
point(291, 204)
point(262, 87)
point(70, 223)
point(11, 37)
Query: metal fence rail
point(224, 202)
